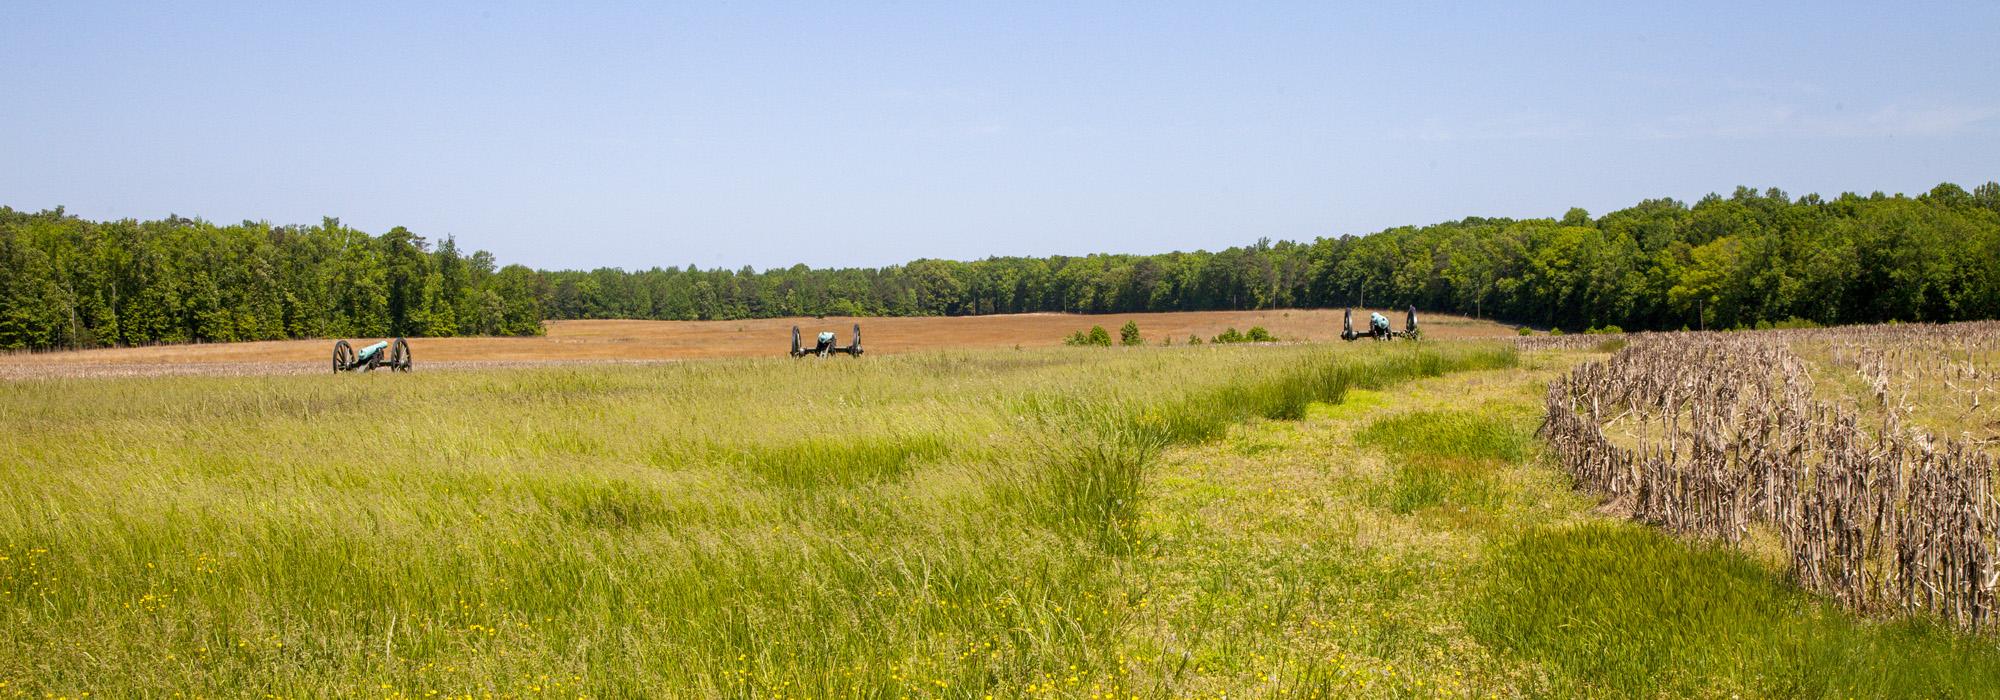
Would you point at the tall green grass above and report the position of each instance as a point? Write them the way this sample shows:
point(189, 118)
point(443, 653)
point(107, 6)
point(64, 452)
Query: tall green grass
point(1619, 609)
point(946, 524)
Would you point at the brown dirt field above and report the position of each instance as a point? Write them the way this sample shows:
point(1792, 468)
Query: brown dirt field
point(656, 341)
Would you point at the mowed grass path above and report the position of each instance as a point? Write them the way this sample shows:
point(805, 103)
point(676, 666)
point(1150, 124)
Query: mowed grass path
point(1161, 522)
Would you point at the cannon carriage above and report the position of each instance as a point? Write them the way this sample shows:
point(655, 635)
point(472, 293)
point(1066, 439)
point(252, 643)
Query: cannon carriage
point(1378, 326)
point(393, 355)
point(826, 344)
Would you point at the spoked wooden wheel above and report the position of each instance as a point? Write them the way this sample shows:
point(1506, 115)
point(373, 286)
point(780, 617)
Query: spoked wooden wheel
point(399, 356)
point(343, 356)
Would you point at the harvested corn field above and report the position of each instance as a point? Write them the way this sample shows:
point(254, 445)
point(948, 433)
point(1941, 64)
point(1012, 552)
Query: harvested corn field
point(1864, 455)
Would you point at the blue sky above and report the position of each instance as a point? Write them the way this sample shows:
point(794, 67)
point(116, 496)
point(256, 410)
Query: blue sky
point(867, 134)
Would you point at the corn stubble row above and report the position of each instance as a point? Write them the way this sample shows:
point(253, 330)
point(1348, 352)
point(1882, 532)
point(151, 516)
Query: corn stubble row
point(1722, 435)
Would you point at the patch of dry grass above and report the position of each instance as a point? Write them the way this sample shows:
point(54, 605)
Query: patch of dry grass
point(602, 341)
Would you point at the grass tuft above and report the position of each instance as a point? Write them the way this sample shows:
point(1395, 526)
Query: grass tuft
point(1445, 457)
point(843, 460)
point(1467, 435)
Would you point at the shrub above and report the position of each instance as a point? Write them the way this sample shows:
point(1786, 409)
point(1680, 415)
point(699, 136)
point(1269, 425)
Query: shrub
point(1555, 331)
point(1257, 334)
point(1607, 330)
point(1524, 330)
point(1129, 335)
point(1194, 339)
point(1095, 336)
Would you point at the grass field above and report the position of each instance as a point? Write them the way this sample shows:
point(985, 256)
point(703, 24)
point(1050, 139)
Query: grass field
point(1293, 520)
point(569, 342)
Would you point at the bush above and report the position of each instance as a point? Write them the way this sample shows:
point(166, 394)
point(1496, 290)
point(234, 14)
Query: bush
point(1607, 330)
point(1555, 331)
point(1524, 330)
point(1194, 339)
point(1129, 335)
point(1257, 334)
point(1096, 336)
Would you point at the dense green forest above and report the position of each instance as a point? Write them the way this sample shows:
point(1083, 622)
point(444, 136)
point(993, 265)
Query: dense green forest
point(1723, 262)
point(66, 282)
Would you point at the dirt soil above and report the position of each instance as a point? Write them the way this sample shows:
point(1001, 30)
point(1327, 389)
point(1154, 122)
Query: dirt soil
point(656, 341)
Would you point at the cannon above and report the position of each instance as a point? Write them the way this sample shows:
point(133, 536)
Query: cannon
point(825, 344)
point(394, 355)
point(1378, 326)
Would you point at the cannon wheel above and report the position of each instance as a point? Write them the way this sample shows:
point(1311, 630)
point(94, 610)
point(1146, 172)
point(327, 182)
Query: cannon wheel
point(343, 356)
point(399, 356)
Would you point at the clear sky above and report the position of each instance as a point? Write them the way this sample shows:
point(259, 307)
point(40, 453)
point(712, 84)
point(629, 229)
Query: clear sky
point(836, 133)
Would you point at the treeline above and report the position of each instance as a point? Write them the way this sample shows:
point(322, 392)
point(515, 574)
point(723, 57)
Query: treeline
point(1723, 262)
point(66, 282)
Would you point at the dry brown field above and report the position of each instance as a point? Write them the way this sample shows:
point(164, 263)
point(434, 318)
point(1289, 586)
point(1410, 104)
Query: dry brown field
point(657, 341)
